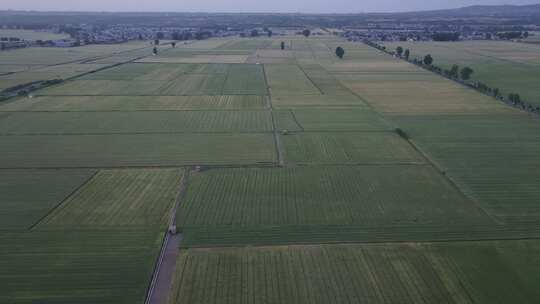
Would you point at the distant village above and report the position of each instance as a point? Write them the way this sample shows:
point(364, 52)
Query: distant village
point(420, 32)
point(87, 34)
point(77, 35)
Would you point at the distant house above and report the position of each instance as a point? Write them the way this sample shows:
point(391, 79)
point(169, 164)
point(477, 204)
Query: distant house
point(64, 43)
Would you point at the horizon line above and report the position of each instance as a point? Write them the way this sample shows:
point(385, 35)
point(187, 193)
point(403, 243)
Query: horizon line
point(253, 12)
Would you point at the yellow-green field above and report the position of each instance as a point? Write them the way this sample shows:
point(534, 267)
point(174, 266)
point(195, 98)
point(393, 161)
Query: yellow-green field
point(511, 67)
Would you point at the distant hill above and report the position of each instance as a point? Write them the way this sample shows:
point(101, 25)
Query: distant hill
point(487, 10)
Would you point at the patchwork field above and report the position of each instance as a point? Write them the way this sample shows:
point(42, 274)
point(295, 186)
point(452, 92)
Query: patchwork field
point(483, 272)
point(27, 65)
point(293, 176)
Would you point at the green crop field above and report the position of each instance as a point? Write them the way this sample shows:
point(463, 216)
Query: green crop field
point(349, 147)
point(135, 103)
point(76, 267)
point(293, 176)
point(344, 196)
point(53, 151)
point(32, 123)
point(120, 198)
point(333, 120)
point(511, 67)
point(306, 101)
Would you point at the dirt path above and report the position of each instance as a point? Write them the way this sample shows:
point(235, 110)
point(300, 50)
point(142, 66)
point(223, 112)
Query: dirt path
point(165, 270)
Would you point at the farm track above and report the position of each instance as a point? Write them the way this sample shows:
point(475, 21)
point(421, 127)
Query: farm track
point(160, 285)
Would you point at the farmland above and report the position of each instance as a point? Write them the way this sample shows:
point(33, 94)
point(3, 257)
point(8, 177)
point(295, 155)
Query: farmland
point(292, 176)
point(511, 67)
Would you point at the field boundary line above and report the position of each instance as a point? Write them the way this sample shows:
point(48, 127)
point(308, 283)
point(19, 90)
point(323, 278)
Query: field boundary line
point(148, 110)
point(277, 141)
point(368, 104)
point(296, 121)
point(451, 181)
point(132, 133)
point(311, 80)
point(265, 164)
point(167, 252)
point(352, 243)
point(52, 210)
point(224, 81)
point(121, 95)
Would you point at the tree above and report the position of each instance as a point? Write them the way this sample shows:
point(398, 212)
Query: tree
point(306, 32)
point(466, 73)
point(454, 71)
point(496, 92)
point(399, 51)
point(515, 98)
point(340, 52)
point(407, 54)
point(282, 45)
point(428, 60)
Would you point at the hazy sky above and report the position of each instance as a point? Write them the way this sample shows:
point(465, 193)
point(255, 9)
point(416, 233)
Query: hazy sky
point(304, 6)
